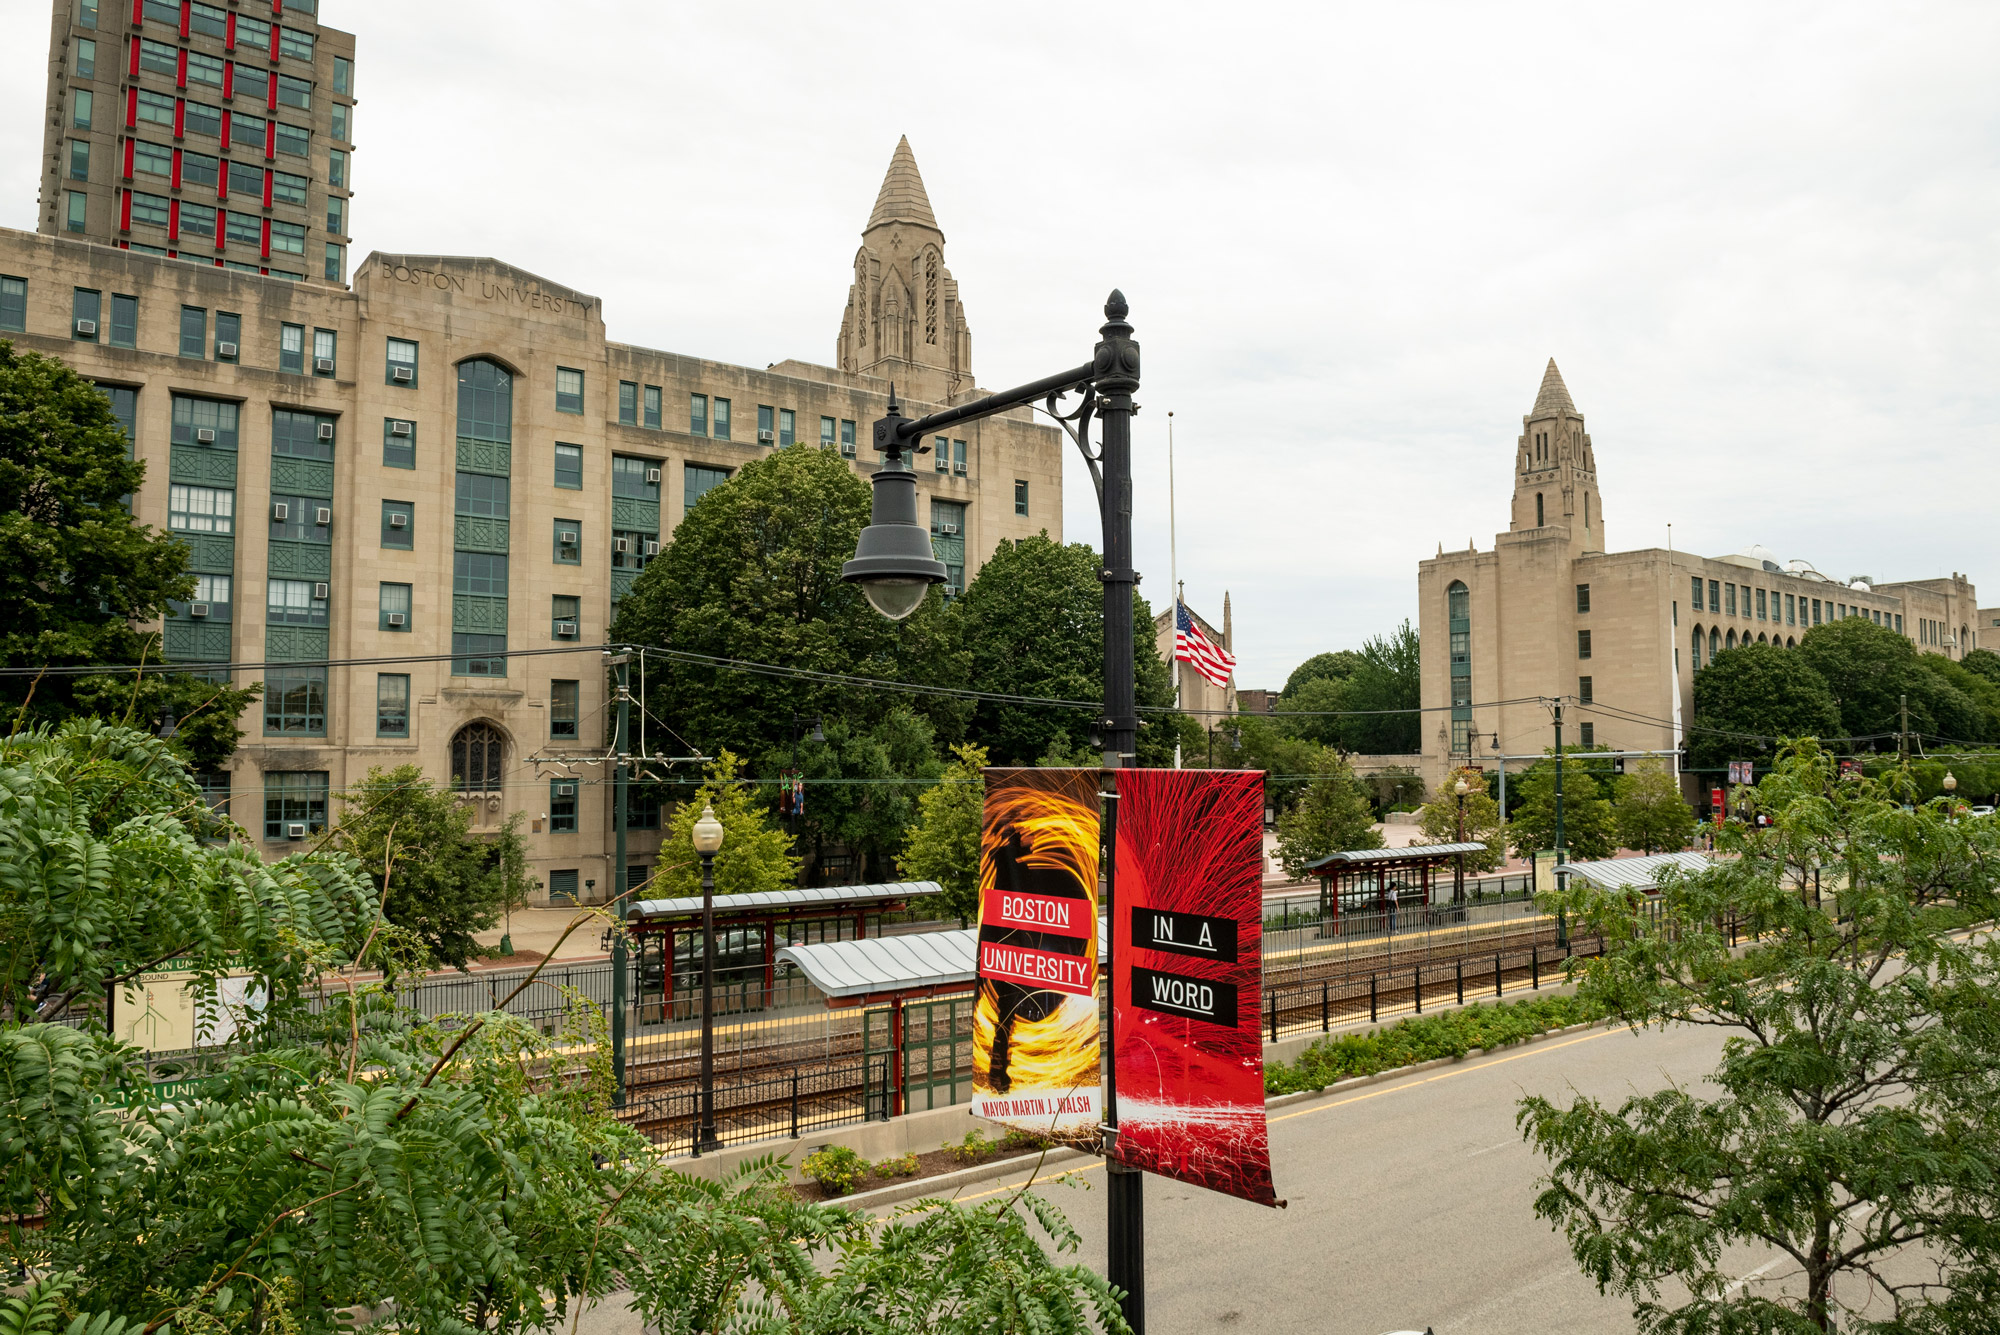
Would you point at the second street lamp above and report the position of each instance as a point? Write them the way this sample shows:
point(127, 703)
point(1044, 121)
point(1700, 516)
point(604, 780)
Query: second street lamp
point(1461, 788)
point(707, 839)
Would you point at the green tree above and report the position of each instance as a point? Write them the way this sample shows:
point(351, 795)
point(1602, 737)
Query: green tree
point(1439, 819)
point(1337, 666)
point(1981, 691)
point(753, 857)
point(1984, 662)
point(78, 573)
point(1851, 1124)
point(1331, 815)
point(1316, 711)
point(943, 844)
point(436, 879)
point(862, 788)
point(1652, 815)
point(1034, 626)
point(1589, 828)
point(1366, 703)
point(1870, 670)
point(753, 573)
point(1757, 691)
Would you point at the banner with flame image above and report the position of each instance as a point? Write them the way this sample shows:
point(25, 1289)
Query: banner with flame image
point(1187, 941)
point(1035, 1061)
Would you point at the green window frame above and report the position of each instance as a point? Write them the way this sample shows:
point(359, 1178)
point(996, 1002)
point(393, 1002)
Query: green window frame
point(565, 609)
point(1583, 644)
point(400, 354)
point(194, 332)
point(564, 698)
point(569, 390)
point(294, 602)
point(567, 542)
point(478, 655)
point(78, 210)
point(718, 419)
point(13, 303)
point(767, 430)
point(294, 797)
point(297, 435)
point(697, 481)
point(1021, 496)
point(325, 346)
point(697, 414)
point(632, 478)
point(192, 509)
point(788, 426)
point(228, 336)
point(628, 403)
point(191, 416)
point(847, 438)
point(79, 160)
point(399, 443)
point(569, 466)
point(652, 408)
point(292, 348)
point(393, 600)
point(124, 321)
point(295, 701)
point(85, 306)
point(399, 537)
point(479, 574)
point(392, 704)
point(828, 432)
point(482, 495)
point(562, 806)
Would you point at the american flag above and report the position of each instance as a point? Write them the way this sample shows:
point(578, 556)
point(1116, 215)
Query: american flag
point(1191, 646)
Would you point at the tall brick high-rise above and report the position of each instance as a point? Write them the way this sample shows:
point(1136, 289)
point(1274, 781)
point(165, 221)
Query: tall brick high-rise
point(219, 134)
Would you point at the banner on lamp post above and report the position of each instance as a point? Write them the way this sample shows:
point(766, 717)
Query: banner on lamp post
point(1035, 1033)
point(1187, 981)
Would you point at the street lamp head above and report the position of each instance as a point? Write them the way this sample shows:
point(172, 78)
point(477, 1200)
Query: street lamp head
point(1462, 787)
point(819, 733)
point(707, 832)
point(1950, 783)
point(893, 562)
point(168, 728)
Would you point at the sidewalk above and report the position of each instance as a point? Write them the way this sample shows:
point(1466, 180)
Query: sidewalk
point(536, 933)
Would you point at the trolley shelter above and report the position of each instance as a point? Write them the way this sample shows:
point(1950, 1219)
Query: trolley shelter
point(749, 930)
point(1641, 874)
point(1358, 880)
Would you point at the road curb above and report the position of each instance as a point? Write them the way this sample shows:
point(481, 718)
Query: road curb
point(944, 1185)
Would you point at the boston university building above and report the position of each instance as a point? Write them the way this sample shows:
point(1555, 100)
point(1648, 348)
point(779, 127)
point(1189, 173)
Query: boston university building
point(390, 490)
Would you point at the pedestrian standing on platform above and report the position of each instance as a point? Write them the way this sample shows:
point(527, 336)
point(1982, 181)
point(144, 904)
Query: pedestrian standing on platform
point(1392, 908)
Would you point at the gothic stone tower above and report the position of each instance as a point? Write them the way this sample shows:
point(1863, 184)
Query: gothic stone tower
point(903, 320)
point(1555, 473)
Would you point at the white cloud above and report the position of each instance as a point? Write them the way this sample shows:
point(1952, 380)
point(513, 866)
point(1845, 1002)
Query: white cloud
point(1760, 241)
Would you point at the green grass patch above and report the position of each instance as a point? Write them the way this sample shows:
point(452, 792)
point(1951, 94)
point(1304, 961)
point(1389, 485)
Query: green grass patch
point(1424, 1038)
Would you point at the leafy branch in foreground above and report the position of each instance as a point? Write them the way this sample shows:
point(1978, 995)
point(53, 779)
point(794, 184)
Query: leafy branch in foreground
point(1855, 1124)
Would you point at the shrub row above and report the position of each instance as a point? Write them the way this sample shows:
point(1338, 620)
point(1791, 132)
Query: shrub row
point(1424, 1038)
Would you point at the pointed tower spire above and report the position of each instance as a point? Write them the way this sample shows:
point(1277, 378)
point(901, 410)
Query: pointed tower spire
point(1554, 395)
point(902, 198)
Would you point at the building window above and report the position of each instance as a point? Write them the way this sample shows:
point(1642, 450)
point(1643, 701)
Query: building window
point(399, 443)
point(295, 701)
point(394, 608)
point(1020, 496)
point(336, 167)
point(1586, 733)
point(628, 549)
point(87, 13)
point(948, 543)
point(720, 419)
point(941, 454)
point(208, 70)
point(565, 616)
point(642, 808)
point(478, 755)
point(1760, 606)
point(194, 332)
point(633, 478)
point(392, 704)
point(788, 423)
point(1458, 616)
point(481, 495)
point(767, 430)
point(1714, 596)
point(80, 107)
point(563, 700)
point(628, 403)
point(1899, 623)
point(569, 542)
point(323, 344)
point(200, 509)
point(294, 803)
point(293, 92)
point(157, 109)
point(341, 126)
point(562, 888)
point(562, 806)
point(298, 45)
point(1583, 644)
point(958, 458)
point(147, 159)
point(149, 210)
point(208, 20)
point(697, 414)
point(1791, 610)
point(478, 655)
point(125, 408)
point(228, 335)
point(301, 435)
point(400, 362)
point(479, 574)
point(343, 76)
point(14, 304)
point(1583, 597)
point(253, 33)
point(124, 322)
point(847, 438)
point(244, 228)
point(197, 117)
point(828, 433)
point(79, 160)
point(569, 391)
point(294, 602)
point(1584, 694)
point(399, 525)
point(697, 482)
point(208, 423)
point(569, 467)
point(652, 408)
point(292, 349)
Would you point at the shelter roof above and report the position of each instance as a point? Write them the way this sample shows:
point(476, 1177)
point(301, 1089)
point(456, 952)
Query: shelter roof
point(799, 900)
point(1378, 857)
point(882, 966)
point(1637, 873)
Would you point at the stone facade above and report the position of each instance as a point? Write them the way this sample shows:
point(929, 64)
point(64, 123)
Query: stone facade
point(1549, 613)
point(216, 133)
point(473, 467)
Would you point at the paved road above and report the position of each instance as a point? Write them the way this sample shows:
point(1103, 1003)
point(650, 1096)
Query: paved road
point(1411, 1206)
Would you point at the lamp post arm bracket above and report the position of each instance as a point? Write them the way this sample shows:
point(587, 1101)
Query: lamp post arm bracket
point(1019, 397)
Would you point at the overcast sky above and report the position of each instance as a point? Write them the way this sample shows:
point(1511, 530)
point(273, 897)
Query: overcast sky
point(1760, 241)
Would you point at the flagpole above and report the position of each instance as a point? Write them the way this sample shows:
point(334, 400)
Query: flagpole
point(1673, 652)
point(1174, 579)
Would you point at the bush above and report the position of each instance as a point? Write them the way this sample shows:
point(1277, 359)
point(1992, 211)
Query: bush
point(1425, 1038)
point(1017, 1139)
point(836, 1168)
point(972, 1149)
point(897, 1165)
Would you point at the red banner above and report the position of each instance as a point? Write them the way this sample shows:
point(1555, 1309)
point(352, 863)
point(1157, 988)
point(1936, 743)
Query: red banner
point(1035, 1034)
point(1187, 929)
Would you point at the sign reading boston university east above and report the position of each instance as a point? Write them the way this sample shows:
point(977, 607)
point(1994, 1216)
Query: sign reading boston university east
point(1035, 1031)
point(1187, 979)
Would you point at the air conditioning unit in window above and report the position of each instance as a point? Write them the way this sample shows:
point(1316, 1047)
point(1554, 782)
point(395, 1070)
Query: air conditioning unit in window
point(225, 349)
point(959, 469)
point(295, 830)
point(322, 515)
point(205, 435)
point(652, 548)
point(947, 528)
point(197, 609)
point(402, 375)
point(87, 328)
point(565, 630)
point(399, 428)
point(567, 537)
point(280, 512)
point(320, 592)
point(652, 475)
point(396, 619)
point(565, 790)
point(326, 431)
point(399, 521)
point(621, 545)
point(323, 365)
point(766, 437)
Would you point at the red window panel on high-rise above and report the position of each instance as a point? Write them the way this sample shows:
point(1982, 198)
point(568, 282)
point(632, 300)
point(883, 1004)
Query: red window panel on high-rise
point(133, 63)
point(181, 69)
point(271, 91)
point(129, 142)
point(138, 13)
point(125, 211)
point(229, 37)
point(173, 220)
point(180, 117)
point(187, 19)
point(177, 169)
point(229, 69)
point(266, 251)
point(225, 137)
point(270, 154)
point(267, 187)
point(221, 230)
point(131, 108)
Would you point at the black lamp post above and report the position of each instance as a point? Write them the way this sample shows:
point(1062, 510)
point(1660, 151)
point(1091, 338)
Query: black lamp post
point(707, 840)
point(894, 566)
point(1461, 788)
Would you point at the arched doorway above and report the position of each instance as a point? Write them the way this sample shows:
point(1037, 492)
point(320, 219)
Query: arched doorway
point(478, 756)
